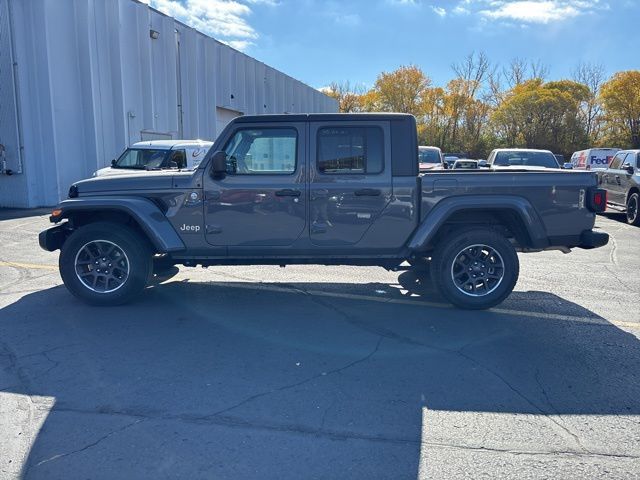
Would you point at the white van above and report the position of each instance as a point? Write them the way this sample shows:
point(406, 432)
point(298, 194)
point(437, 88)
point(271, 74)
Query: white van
point(593, 158)
point(158, 155)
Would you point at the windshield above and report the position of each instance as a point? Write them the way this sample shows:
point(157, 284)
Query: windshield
point(525, 158)
point(141, 158)
point(429, 156)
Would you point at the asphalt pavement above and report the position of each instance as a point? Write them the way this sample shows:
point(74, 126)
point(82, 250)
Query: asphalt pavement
point(313, 372)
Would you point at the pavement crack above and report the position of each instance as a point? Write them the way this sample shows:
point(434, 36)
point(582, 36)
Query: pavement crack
point(86, 447)
point(301, 382)
point(526, 399)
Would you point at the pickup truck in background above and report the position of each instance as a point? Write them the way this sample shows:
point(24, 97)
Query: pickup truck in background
point(331, 189)
point(621, 180)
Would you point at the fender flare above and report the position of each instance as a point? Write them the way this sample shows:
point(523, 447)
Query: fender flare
point(444, 209)
point(147, 215)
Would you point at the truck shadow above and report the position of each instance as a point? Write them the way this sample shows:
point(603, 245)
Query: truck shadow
point(245, 380)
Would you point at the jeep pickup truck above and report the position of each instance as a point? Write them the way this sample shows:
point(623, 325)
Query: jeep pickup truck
point(331, 189)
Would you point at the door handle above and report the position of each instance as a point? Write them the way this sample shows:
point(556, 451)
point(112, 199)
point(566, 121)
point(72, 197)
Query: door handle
point(367, 192)
point(288, 192)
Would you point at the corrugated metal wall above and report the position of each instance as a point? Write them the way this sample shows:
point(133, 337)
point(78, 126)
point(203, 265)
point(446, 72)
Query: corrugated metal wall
point(92, 80)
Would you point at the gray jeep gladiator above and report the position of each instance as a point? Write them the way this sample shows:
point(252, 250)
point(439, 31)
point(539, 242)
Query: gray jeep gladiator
point(330, 189)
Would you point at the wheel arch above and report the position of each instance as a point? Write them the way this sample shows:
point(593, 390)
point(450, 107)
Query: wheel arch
point(139, 213)
point(514, 215)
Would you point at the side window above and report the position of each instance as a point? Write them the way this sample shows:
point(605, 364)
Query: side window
point(269, 151)
point(638, 160)
point(350, 150)
point(616, 163)
point(179, 157)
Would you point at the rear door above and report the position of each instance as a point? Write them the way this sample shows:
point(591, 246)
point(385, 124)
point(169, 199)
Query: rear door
point(262, 200)
point(350, 179)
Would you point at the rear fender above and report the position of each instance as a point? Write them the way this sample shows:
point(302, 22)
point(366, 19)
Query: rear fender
point(445, 209)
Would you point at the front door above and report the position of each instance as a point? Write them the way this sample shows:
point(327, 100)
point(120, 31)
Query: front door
point(262, 199)
point(613, 179)
point(350, 179)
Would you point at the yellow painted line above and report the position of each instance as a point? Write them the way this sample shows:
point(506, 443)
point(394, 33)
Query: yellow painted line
point(35, 266)
point(404, 301)
point(368, 298)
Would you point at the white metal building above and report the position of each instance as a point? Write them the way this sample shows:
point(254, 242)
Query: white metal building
point(82, 79)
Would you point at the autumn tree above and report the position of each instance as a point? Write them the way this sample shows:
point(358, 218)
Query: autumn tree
point(535, 114)
point(348, 97)
point(620, 98)
point(402, 90)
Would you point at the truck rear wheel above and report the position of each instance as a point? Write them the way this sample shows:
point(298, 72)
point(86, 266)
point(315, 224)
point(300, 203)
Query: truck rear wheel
point(475, 268)
point(105, 263)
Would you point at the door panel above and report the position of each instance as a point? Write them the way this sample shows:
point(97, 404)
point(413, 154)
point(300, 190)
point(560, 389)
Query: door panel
point(613, 179)
point(262, 200)
point(350, 180)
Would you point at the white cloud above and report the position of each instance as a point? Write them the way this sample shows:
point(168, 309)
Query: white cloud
point(225, 20)
point(529, 11)
point(441, 12)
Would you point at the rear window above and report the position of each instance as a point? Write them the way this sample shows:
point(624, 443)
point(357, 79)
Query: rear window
point(350, 150)
point(523, 158)
point(429, 156)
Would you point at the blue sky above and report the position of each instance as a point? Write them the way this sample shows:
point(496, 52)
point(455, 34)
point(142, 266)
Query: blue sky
point(319, 41)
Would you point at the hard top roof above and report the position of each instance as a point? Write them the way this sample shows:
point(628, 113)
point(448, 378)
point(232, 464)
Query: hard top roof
point(321, 117)
point(170, 144)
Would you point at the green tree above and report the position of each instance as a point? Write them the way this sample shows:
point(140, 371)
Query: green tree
point(620, 98)
point(535, 114)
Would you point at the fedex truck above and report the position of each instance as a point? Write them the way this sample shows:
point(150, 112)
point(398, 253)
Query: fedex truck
point(593, 158)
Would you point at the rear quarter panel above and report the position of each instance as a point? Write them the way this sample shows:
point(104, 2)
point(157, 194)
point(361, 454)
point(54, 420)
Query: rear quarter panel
point(555, 195)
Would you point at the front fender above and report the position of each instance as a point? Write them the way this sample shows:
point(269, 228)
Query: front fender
point(146, 213)
point(437, 216)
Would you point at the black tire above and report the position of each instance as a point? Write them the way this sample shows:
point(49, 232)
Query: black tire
point(492, 250)
point(132, 256)
point(633, 209)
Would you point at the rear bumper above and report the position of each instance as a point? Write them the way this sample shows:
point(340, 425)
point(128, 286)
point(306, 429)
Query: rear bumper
point(590, 239)
point(53, 238)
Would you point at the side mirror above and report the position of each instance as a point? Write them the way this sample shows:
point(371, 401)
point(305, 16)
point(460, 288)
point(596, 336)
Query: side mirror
point(482, 164)
point(568, 166)
point(173, 164)
point(629, 168)
point(219, 164)
point(113, 162)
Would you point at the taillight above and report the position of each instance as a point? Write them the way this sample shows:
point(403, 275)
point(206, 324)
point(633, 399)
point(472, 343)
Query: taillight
point(598, 200)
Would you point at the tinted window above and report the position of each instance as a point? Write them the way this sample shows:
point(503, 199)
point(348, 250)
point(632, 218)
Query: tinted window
point(616, 163)
point(139, 159)
point(269, 151)
point(524, 158)
point(429, 156)
point(350, 150)
point(179, 157)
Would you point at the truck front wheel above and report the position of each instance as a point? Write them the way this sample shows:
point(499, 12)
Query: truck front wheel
point(105, 263)
point(475, 268)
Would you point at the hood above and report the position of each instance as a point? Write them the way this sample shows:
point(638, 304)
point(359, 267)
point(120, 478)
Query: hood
point(111, 171)
point(130, 181)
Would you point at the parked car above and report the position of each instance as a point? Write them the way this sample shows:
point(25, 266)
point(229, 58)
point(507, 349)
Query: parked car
point(621, 180)
point(430, 158)
point(354, 198)
point(450, 158)
point(465, 164)
point(593, 158)
point(158, 155)
point(522, 157)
